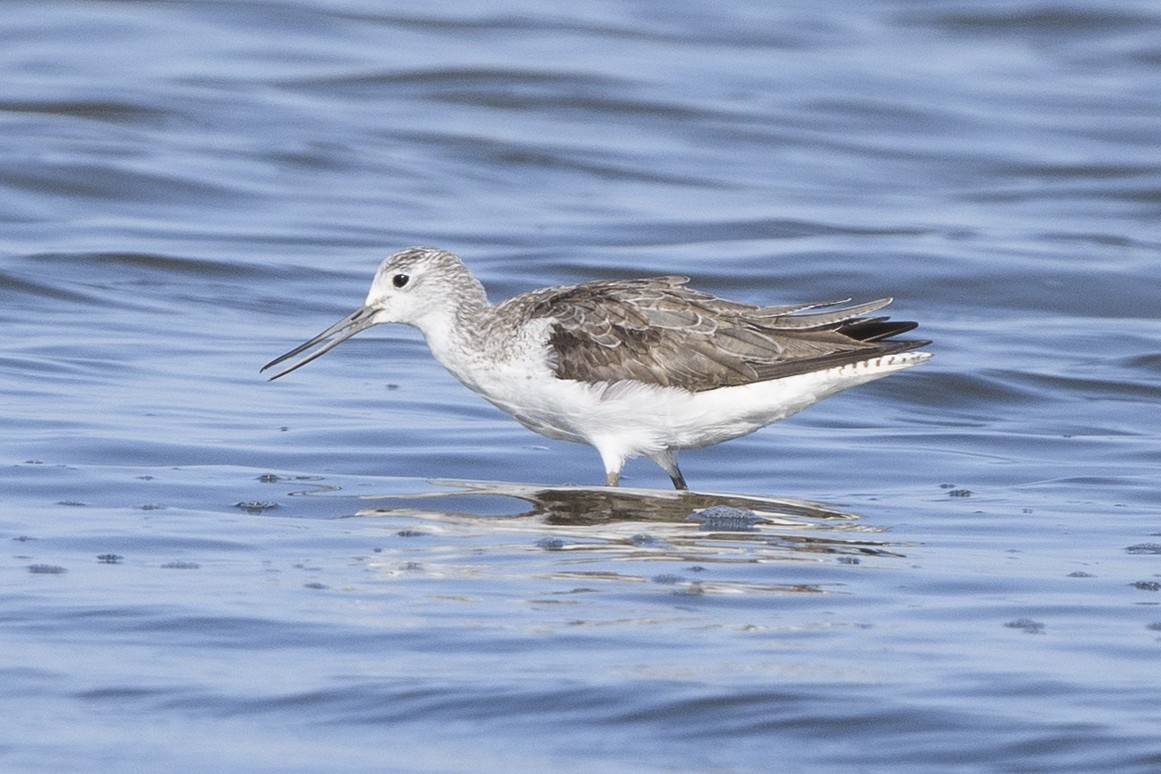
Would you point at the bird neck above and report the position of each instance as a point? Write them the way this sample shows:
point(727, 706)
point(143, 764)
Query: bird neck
point(454, 329)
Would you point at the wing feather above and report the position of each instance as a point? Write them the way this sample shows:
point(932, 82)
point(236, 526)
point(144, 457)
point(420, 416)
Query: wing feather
point(659, 332)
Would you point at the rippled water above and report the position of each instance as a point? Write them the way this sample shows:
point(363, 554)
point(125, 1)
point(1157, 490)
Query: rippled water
point(958, 567)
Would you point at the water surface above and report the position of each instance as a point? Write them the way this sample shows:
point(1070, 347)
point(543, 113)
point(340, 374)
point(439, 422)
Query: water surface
point(364, 567)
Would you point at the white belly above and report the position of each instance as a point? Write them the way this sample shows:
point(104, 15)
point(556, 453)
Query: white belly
point(636, 418)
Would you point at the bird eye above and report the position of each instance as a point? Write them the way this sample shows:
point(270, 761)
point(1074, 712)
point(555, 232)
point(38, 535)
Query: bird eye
point(399, 280)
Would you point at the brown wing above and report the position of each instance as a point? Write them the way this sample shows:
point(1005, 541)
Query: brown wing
point(659, 332)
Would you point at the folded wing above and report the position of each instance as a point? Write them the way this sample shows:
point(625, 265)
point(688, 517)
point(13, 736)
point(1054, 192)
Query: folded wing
point(659, 332)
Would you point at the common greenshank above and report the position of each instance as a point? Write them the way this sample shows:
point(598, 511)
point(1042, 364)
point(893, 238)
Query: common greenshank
point(632, 367)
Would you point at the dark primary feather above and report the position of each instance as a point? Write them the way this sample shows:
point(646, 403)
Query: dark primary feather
point(658, 331)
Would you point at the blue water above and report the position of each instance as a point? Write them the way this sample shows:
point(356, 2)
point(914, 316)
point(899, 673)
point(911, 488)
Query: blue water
point(957, 568)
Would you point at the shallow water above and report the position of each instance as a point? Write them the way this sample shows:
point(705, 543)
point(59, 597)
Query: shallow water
point(365, 567)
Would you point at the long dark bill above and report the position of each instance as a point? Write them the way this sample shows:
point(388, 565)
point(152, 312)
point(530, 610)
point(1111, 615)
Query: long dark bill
point(356, 321)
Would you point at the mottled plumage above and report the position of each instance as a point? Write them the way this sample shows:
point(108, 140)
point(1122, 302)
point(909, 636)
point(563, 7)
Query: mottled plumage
point(643, 366)
point(660, 332)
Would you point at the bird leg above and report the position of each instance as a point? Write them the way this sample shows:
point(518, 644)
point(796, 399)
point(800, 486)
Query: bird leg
point(666, 459)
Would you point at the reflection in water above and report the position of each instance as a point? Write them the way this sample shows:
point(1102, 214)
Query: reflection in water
point(583, 506)
point(644, 523)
